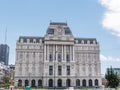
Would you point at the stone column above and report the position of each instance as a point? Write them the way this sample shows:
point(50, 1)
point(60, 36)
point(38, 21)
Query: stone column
point(99, 68)
point(56, 59)
point(93, 81)
point(87, 81)
point(48, 53)
point(45, 52)
point(65, 53)
point(44, 67)
point(70, 53)
point(62, 53)
point(53, 53)
point(73, 53)
point(81, 82)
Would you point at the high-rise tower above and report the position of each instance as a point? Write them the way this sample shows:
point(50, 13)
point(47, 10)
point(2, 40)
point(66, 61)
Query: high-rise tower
point(4, 53)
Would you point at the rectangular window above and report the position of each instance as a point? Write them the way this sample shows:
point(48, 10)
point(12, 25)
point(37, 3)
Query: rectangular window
point(67, 31)
point(68, 58)
point(68, 70)
point(59, 70)
point(50, 57)
point(59, 58)
point(50, 70)
point(50, 31)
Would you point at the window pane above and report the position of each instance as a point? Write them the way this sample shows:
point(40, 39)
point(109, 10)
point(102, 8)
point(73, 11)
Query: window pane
point(68, 70)
point(68, 57)
point(51, 31)
point(50, 70)
point(50, 57)
point(59, 70)
point(67, 31)
point(59, 58)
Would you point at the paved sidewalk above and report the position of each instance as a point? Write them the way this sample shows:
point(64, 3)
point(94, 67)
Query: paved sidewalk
point(67, 89)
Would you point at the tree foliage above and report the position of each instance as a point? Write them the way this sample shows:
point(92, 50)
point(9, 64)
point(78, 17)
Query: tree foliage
point(112, 78)
point(6, 79)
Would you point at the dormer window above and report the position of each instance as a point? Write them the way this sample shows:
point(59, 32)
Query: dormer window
point(34, 41)
point(50, 31)
point(67, 31)
point(21, 40)
point(88, 42)
point(28, 40)
point(82, 42)
point(94, 42)
point(31, 40)
point(24, 40)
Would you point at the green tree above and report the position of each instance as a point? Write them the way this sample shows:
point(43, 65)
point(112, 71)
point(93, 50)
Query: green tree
point(112, 78)
point(6, 79)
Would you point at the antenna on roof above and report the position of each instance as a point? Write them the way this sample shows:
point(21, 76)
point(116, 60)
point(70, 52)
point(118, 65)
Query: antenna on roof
point(5, 35)
point(1, 30)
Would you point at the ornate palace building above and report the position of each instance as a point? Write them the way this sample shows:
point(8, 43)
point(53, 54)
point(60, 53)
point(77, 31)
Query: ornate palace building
point(57, 60)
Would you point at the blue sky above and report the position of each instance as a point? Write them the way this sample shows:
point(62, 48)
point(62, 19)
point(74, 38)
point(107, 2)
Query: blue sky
point(87, 18)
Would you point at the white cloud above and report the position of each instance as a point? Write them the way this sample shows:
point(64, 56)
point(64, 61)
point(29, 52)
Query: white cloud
point(111, 18)
point(109, 58)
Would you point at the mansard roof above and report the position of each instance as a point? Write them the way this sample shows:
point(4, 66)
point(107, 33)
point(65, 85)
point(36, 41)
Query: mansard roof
point(58, 23)
point(57, 31)
point(86, 40)
point(31, 38)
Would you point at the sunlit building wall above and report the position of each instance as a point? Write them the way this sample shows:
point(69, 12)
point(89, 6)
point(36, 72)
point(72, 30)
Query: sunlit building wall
point(57, 60)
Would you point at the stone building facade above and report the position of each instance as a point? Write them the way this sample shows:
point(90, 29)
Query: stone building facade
point(57, 59)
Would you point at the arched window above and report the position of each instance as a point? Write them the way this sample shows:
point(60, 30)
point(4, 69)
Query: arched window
point(94, 42)
point(96, 82)
point(40, 83)
point(84, 83)
point(77, 82)
point(50, 83)
point(59, 82)
point(82, 42)
point(88, 42)
point(33, 83)
point(19, 82)
point(26, 82)
point(90, 82)
point(68, 82)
